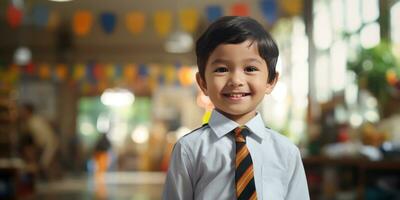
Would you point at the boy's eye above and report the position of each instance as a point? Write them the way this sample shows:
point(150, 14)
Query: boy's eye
point(251, 69)
point(221, 69)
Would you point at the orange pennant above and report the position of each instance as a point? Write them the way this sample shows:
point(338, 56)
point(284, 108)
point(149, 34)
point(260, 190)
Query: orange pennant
point(82, 22)
point(135, 22)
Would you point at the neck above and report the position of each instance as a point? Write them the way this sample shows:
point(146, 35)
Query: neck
point(241, 119)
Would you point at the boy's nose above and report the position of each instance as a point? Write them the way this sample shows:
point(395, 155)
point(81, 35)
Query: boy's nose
point(236, 79)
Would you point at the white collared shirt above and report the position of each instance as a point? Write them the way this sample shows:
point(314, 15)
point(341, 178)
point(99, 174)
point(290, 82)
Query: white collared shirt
point(202, 164)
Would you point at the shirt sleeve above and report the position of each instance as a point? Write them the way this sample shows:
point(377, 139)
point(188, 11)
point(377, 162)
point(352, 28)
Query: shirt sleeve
point(178, 184)
point(297, 187)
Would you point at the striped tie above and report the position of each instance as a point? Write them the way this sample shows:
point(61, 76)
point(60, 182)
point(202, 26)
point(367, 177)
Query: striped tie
point(244, 177)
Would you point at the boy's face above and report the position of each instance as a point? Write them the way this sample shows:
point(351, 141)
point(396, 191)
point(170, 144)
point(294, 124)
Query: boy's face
point(236, 80)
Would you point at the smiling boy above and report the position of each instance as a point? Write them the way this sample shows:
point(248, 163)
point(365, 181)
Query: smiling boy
point(235, 156)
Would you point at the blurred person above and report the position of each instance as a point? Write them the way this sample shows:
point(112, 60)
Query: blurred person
point(101, 155)
point(43, 137)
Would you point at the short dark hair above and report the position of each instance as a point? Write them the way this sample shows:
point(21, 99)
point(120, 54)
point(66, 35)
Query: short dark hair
point(235, 30)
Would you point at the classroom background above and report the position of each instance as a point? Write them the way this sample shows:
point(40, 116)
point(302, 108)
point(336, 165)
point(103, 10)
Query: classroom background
point(110, 87)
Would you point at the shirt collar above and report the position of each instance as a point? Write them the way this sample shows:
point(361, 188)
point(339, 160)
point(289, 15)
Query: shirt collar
point(222, 125)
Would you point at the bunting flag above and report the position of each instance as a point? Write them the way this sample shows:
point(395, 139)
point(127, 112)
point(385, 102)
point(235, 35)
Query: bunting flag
point(135, 22)
point(109, 71)
point(143, 71)
point(188, 19)
point(61, 72)
point(98, 71)
point(14, 16)
point(269, 9)
point(130, 71)
point(40, 15)
point(44, 71)
point(82, 22)
point(30, 68)
point(162, 22)
point(292, 7)
point(213, 12)
point(108, 22)
point(240, 9)
point(79, 72)
point(54, 20)
point(169, 74)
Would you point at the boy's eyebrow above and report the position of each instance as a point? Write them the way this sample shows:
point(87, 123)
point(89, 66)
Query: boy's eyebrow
point(221, 60)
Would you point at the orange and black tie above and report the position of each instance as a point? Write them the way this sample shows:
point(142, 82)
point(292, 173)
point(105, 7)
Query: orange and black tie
point(244, 175)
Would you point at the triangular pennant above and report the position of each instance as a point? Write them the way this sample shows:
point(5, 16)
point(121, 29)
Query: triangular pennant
point(189, 18)
point(213, 12)
point(240, 9)
point(61, 72)
point(108, 22)
point(40, 15)
point(135, 22)
point(79, 72)
point(162, 22)
point(82, 22)
point(270, 10)
point(14, 16)
point(292, 7)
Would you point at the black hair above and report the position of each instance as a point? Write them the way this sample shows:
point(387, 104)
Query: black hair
point(235, 30)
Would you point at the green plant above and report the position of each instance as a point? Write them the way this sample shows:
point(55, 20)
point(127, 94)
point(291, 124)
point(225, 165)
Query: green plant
point(377, 71)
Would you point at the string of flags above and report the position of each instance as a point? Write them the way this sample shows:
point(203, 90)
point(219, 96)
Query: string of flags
point(135, 21)
point(99, 75)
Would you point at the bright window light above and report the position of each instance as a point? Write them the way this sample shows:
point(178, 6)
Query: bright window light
point(117, 97)
point(370, 10)
point(370, 35)
point(395, 25)
point(322, 28)
point(338, 63)
point(353, 15)
point(322, 79)
point(103, 123)
point(338, 20)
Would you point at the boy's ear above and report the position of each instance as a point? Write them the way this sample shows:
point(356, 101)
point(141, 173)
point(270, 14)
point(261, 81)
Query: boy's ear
point(270, 86)
point(202, 83)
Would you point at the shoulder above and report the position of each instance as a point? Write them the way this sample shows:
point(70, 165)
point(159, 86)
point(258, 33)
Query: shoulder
point(281, 142)
point(192, 138)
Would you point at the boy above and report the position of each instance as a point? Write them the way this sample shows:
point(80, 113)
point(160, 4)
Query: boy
point(234, 156)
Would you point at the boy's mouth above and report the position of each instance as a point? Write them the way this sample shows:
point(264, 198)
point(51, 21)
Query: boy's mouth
point(235, 95)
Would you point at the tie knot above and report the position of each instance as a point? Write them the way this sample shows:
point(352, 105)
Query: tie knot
point(240, 133)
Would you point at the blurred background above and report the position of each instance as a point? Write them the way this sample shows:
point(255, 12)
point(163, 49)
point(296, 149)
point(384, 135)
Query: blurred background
point(94, 93)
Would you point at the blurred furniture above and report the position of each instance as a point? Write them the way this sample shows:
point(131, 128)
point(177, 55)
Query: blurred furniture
point(349, 178)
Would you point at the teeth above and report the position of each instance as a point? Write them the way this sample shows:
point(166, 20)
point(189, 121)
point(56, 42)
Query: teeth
point(237, 95)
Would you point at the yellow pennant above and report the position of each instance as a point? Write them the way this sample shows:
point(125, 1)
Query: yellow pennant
point(82, 22)
point(135, 22)
point(162, 22)
point(292, 7)
point(79, 72)
point(188, 19)
point(169, 74)
point(110, 71)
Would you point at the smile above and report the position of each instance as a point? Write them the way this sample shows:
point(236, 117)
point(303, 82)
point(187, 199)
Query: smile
point(236, 95)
